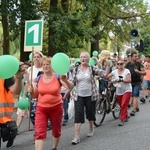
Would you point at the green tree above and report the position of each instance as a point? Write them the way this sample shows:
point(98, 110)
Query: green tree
point(27, 10)
point(72, 25)
point(5, 25)
point(52, 12)
point(145, 33)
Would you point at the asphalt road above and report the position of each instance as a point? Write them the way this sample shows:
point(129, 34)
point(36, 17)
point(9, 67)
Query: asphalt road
point(134, 135)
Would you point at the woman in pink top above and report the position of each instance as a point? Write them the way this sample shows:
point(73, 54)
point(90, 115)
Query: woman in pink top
point(49, 105)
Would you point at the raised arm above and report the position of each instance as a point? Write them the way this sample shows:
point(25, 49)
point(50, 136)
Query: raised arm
point(66, 83)
point(103, 73)
point(17, 86)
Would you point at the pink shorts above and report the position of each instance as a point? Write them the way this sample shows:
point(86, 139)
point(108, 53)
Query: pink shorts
point(55, 115)
point(22, 113)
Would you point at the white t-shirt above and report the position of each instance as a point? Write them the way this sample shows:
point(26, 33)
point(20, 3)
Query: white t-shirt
point(124, 87)
point(69, 76)
point(34, 74)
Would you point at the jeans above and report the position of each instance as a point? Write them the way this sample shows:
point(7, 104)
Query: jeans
point(33, 110)
point(65, 106)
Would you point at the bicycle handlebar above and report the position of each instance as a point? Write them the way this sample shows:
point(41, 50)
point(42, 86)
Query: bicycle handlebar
point(107, 80)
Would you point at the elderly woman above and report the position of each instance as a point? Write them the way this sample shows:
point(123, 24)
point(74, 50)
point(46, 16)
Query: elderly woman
point(49, 105)
point(122, 77)
point(86, 94)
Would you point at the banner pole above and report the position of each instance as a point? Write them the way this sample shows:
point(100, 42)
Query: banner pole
point(30, 98)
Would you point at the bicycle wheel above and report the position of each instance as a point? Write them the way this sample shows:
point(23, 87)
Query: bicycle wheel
point(100, 112)
point(116, 109)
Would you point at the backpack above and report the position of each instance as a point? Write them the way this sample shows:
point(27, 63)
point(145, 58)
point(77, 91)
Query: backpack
point(135, 77)
point(76, 70)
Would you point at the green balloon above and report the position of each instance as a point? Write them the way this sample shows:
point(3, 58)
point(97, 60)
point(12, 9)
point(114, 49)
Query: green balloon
point(95, 53)
point(30, 57)
point(60, 63)
point(77, 60)
point(23, 103)
point(92, 62)
point(142, 56)
point(9, 66)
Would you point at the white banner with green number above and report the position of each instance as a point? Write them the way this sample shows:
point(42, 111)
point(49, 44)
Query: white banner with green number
point(33, 35)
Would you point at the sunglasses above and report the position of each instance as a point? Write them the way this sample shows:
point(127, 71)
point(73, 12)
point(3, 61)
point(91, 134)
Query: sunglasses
point(119, 63)
point(125, 60)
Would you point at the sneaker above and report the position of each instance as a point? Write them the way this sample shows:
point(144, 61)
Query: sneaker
point(121, 123)
point(129, 105)
point(49, 128)
point(32, 129)
point(132, 113)
point(65, 123)
point(142, 100)
point(10, 143)
point(76, 140)
point(127, 119)
point(90, 133)
point(54, 149)
point(17, 132)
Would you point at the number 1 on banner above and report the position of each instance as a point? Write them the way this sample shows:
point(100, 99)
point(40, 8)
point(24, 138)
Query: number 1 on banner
point(35, 29)
point(33, 35)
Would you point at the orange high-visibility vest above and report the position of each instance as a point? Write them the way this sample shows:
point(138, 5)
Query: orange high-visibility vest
point(6, 104)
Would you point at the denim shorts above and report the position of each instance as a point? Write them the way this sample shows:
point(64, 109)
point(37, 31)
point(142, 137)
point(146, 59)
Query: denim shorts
point(146, 84)
point(136, 90)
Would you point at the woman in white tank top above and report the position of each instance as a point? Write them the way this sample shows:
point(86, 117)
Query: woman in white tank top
point(122, 78)
point(36, 69)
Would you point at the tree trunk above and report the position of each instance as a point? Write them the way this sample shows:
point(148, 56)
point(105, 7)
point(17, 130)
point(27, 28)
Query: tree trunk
point(51, 48)
point(64, 4)
point(95, 45)
point(5, 26)
point(24, 56)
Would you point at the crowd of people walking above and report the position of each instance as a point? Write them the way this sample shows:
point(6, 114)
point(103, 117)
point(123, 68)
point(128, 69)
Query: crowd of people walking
point(50, 93)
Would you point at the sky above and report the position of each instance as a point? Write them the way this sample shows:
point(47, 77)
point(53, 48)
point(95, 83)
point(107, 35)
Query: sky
point(147, 1)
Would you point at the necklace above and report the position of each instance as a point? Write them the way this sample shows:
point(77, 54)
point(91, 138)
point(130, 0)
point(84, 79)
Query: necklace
point(47, 78)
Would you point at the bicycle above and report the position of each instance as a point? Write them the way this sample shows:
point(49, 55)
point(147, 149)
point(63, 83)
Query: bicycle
point(106, 104)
